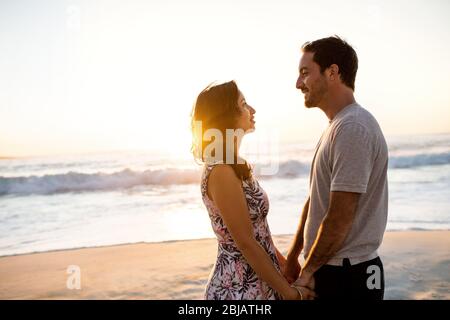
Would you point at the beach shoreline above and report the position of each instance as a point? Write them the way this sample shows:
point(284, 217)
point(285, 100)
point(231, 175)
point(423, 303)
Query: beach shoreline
point(416, 263)
point(173, 241)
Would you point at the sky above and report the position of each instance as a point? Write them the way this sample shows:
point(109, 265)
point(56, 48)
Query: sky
point(93, 76)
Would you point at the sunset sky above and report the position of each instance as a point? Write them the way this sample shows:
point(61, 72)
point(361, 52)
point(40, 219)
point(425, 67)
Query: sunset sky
point(91, 76)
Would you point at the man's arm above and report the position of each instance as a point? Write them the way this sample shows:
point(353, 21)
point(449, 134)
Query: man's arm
point(332, 232)
point(292, 268)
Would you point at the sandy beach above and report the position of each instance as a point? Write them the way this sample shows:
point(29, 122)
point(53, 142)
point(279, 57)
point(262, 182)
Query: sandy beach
point(417, 266)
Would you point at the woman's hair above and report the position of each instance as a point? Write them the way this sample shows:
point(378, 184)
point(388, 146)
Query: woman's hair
point(217, 108)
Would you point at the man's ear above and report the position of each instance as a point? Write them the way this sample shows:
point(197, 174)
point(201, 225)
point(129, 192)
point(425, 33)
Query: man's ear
point(333, 72)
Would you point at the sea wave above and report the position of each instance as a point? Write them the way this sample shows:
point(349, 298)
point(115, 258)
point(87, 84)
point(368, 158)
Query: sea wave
point(419, 160)
point(77, 181)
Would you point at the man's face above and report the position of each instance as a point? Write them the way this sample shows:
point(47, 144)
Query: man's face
point(312, 83)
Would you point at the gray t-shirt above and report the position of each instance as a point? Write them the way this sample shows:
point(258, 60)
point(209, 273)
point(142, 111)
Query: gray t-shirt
point(351, 156)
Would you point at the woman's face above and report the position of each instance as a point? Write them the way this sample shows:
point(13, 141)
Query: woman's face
point(246, 119)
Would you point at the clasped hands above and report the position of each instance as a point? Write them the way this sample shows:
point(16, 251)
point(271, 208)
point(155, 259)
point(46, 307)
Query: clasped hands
point(298, 278)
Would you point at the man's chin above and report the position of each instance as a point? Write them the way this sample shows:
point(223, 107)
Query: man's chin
point(309, 104)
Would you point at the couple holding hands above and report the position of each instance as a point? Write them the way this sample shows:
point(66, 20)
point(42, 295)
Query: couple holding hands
point(344, 217)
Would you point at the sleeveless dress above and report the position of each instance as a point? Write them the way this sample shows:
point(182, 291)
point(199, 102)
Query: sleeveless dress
point(232, 278)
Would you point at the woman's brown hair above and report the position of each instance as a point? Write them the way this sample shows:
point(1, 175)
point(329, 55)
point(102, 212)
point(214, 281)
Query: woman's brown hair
point(217, 107)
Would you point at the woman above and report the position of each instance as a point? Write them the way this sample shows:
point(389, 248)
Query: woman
point(248, 264)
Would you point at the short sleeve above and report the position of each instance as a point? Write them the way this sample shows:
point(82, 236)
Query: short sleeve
point(351, 159)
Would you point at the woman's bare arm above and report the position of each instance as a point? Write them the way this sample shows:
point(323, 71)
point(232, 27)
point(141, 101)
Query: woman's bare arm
point(227, 193)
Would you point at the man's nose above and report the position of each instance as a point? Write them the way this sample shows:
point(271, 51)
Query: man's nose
point(299, 84)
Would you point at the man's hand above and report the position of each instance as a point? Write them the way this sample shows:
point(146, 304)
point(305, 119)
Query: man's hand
point(306, 279)
point(291, 270)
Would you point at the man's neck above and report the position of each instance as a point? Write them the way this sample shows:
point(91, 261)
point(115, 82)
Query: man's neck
point(336, 102)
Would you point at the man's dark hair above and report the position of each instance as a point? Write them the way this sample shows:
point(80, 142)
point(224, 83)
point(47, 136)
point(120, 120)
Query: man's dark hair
point(334, 50)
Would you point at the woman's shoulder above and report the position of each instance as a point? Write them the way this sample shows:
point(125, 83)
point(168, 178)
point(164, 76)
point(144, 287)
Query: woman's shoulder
point(222, 173)
point(212, 170)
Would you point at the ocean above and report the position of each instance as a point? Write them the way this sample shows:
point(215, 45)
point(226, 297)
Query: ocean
point(62, 202)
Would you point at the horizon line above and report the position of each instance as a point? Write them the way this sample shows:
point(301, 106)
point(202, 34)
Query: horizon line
point(81, 153)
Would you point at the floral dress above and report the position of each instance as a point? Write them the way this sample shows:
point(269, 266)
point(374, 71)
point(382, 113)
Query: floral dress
point(232, 278)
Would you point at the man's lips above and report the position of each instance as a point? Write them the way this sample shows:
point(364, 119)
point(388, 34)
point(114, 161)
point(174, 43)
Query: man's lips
point(305, 93)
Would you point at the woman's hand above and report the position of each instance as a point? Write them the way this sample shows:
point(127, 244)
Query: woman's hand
point(302, 293)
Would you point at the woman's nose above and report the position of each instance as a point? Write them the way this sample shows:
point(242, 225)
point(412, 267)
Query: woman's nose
point(252, 110)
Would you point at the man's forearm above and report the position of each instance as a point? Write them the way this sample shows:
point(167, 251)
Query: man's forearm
point(329, 241)
point(297, 246)
point(333, 231)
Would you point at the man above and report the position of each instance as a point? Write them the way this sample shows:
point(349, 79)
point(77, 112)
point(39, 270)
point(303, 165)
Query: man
point(344, 218)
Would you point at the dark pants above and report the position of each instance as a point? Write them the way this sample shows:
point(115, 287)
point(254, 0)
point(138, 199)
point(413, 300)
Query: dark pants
point(362, 281)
